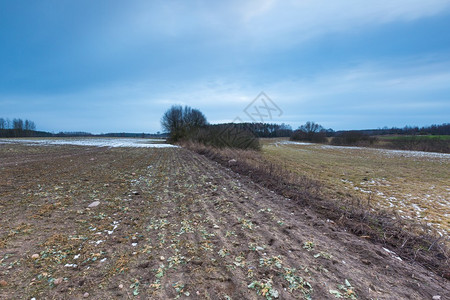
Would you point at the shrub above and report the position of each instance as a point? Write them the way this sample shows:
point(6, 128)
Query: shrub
point(353, 138)
point(420, 144)
point(225, 136)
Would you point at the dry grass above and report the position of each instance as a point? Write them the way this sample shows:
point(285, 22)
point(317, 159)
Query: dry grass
point(292, 177)
point(414, 187)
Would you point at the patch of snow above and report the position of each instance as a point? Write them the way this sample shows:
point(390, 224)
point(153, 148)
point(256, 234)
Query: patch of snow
point(389, 152)
point(362, 190)
point(115, 225)
point(71, 265)
point(392, 253)
point(293, 143)
point(96, 142)
point(416, 207)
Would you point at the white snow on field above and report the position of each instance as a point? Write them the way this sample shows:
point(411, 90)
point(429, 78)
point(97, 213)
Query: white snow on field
point(96, 142)
point(293, 143)
point(387, 152)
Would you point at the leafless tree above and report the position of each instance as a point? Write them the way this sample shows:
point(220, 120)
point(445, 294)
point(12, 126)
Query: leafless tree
point(29, 125)
point(311, 132)
point(179, 121)
point(18, 124)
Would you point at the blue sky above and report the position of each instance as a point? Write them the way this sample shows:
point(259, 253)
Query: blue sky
point(108, 66)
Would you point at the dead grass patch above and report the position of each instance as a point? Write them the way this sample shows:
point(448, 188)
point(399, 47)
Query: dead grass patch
point(23, 228)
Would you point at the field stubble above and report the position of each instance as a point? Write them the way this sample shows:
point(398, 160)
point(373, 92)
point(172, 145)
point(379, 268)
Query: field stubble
point(167, 224)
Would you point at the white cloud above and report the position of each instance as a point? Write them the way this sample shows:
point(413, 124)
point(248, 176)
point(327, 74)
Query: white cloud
point(270, 23)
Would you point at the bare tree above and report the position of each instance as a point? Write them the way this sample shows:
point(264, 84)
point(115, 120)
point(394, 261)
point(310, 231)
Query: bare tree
point(311, 132)
point(2, 123)
point(18, 124)
point(193, 118)
point(172, 122)
point(29, 125)
point(179, 121)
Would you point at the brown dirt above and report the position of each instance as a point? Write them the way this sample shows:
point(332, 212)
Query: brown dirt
point(172, 223)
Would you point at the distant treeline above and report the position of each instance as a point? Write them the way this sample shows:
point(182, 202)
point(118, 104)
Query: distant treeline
point(17, 124)
point(443, 129)
point(431, 138)
point(20, 128)
point(263, 130)
point(189, 125)
point(17, 128)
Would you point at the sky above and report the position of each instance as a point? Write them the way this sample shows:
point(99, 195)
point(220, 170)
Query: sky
point(116, 66)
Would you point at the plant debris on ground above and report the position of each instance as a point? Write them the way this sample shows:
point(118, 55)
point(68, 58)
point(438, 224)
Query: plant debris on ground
point(171, 224)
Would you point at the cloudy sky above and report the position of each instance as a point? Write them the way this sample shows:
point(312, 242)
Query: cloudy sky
point(108, 66)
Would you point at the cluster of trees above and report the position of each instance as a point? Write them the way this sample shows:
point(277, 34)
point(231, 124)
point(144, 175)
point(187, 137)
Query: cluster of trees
point(311, 132)
point(190, 125)
point(16, 127)
point(443, 129)
point(316, 133)
point(181, 122)
point(265, 130)
point(17, 124)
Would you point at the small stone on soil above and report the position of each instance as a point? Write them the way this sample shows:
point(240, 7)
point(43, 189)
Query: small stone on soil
point(58, 281)
point(94, 204)
point(3, 283)
point(85, 295)
point(35, 256)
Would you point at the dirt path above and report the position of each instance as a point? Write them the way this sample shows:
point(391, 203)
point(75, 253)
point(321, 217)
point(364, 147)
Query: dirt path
point(172, 224)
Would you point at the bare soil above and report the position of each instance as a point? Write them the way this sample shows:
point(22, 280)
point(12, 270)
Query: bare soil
point(173, 224)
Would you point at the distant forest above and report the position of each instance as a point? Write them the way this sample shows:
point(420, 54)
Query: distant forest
point(20, 128)
point(265, 130)
point(443, 129)
point(26, 128)
point(283, 130)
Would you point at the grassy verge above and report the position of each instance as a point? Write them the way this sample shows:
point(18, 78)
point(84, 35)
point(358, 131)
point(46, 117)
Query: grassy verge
point(413, 241)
